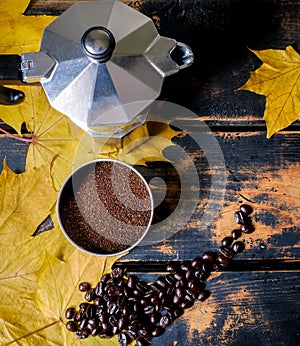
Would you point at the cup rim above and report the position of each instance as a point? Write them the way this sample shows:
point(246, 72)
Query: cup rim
point(61, 193)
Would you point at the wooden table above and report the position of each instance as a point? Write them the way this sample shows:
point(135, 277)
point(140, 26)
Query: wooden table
point(256, 301)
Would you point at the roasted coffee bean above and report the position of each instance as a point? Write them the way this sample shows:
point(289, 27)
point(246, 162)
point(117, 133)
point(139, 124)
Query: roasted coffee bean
point(165, 321)
point(189, 274)
point(82, 334)
point(238, 247)
point(177, 312)
point(99, 288)
point(97, 301)
point(113, 291)
point(240, 217)
point(133, 317)
point(185, 267)
point(157, 331)
point(149, 309)
point(209, 256)
point(91, 311)
point(227, 241)
point(156, 288)
point(117, 273)
point(179, 275)
point(155, 317)
point(124, 339)
point(170, 268)
point(83, 306)
point(113, 321)
point(78, 316)
point(197, 262)
point(107, 327)
point(207, 267)
point(105, 277)
point(170, 279)
point(154, 300)
point(247, 209)
point(247, 228)
point(132, 281)
point(90, 295)
point(121, 323)
point(222, 261)
point(203, 295)
point(162, 282)
point(126, 310)
point(111, 307)
point(170, 290)
point(192, 294)
point(193, 285)
point(186, 304)
point(135, 325)
point(71, 326)
point(142, 287)
point(236, 233)
point(93, 322)
point(120, 301)
point(83, 323)
point(84, 287)
point(70, 313)
point(145, 333)
point(103, 318)
point(115, 330)
point(189, 298)
point(176, 300)
point(180, 292)
point(143, 341)
point(96, 331)
point(227, 252)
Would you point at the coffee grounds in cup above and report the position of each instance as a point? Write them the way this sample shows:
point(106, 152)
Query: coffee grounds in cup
point(107, 208)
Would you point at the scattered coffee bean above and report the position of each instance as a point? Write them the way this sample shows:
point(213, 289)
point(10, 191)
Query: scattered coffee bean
point(203, 295)
point(238, 247)
point(227, 252)
point(247, 228)
point(84, 287)
point(227, 241)
point(70, 313)
point(236, 233)
point(240, 217)
point(165, 321)
point(209, 256)
point(247, 209)
point(71, 326)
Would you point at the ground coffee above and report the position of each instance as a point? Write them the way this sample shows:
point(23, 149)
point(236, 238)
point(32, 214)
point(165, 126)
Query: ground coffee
point(106, 207)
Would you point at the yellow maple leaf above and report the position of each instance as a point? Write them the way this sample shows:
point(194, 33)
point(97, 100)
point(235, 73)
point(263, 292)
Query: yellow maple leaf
point(40, 315)
point(278, 78)
point(20, 194)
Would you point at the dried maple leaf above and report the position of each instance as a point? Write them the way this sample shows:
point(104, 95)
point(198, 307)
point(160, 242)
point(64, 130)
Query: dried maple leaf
point(40, 315)
point(278, 78)
point(20, 194)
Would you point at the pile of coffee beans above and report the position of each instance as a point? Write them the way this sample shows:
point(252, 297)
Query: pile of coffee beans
point(136, 310)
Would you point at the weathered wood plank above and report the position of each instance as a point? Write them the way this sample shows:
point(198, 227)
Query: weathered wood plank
point(257, 171)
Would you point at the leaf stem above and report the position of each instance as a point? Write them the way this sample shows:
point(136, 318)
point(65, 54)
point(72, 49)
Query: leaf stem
point(11, 135)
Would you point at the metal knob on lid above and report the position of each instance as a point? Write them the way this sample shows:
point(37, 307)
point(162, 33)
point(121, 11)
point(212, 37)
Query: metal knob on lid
point(98, 43)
